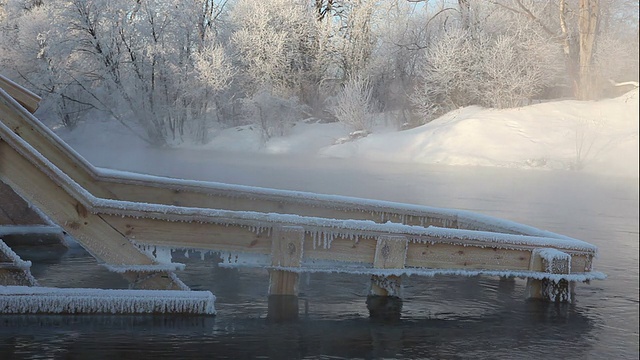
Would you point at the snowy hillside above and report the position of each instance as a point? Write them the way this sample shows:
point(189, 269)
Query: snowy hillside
point(600, 137)
point(594, 136)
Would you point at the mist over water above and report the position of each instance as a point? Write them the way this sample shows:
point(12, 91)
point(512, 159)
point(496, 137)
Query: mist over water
point(443, 317)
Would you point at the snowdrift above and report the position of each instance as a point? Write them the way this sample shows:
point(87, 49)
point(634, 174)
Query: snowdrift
point(597, 136)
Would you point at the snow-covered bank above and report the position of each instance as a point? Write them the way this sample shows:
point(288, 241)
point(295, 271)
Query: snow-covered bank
point(597, 137)
point(593, 136)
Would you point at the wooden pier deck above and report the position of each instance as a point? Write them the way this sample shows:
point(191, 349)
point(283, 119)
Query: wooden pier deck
point(121, 218)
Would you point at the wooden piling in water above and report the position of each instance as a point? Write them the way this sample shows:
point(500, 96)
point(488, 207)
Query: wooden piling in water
point(384, 299)
point(554, 262)
point(286, 251)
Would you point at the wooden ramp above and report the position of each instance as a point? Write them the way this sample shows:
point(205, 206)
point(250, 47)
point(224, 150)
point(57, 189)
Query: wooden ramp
point(122, 219)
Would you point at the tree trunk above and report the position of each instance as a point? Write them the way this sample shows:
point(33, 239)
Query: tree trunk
point(587, 27)
point(568, 50)
point(465, 11)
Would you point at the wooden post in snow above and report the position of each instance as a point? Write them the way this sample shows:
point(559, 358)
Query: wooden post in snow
point(384, 298)
point(286, 251)
point(551, 261)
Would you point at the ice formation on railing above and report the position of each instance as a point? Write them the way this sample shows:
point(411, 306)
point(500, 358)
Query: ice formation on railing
point(367, 270)
point(161, 254)
point(24, 266)
point(256, 229)
point(231, 259)
point(25, 300)
point(121, 269)
point(30, 229)
point(556, 261)
point(11, 256)
point(323, 238)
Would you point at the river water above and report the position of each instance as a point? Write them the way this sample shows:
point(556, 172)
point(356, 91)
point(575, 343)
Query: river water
point(442, 318)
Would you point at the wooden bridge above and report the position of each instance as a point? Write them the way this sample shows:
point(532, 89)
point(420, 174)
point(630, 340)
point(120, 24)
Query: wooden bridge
point(130, 222)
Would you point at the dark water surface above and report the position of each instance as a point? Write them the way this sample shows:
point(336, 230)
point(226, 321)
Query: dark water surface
point(442, 318)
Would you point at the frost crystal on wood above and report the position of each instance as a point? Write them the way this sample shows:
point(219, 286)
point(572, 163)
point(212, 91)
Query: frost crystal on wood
point(36, 300)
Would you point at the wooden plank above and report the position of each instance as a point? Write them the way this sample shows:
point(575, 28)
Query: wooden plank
point(287, 245)
point(581, 262)
point(197, 235)
point(443, 255)
point(286, 251)
point(11, 276)
point(54, 152)
point(95, 235)
point(14, 210)
point(551, 261)
point(212, 198)
point(230, 237)
point(391, 253)
point(361, 250)
point(25, 97)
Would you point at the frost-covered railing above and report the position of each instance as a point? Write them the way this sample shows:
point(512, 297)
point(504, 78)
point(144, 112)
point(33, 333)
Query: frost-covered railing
point(119, 185)
point(14, 270)
point(133, 235)
point(39, 300)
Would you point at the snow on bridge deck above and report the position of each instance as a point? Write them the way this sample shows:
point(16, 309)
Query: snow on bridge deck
point(118, 217)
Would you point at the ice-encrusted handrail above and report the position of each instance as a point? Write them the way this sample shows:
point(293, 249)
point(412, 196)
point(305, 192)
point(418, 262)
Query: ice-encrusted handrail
point(23, 267)
point(38, 300)
point(463, 219)
point(343, 228)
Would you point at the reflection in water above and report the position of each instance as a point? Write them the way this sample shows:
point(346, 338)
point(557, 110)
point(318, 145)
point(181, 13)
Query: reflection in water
point(533, 328)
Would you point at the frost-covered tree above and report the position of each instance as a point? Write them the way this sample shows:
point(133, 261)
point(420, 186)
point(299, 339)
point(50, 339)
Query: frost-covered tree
point(272, 39)
point(573, 25)
point(491, 62)
point(273, 115)
point(358, 37)
point(142, 62)
point(279, 49)
point(446, 75)
point(353, 106)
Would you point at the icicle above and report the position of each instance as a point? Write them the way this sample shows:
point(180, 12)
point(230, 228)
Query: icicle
point(163, 255)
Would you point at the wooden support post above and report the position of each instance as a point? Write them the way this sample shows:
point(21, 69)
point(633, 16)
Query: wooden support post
point(384, 298)
point(286, 251)
point(551, 261)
